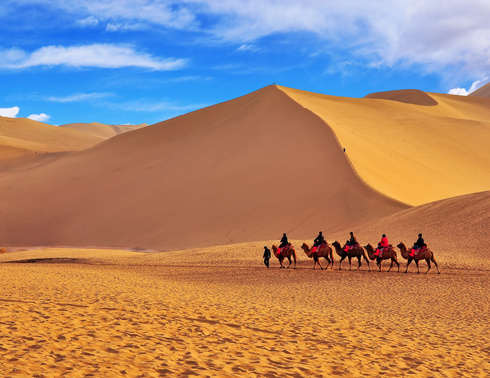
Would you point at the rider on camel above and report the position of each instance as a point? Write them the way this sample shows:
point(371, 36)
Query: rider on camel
point(319, 240)
point(351, 242)
point(417, 245)
point(284, 241)
point(381, 245)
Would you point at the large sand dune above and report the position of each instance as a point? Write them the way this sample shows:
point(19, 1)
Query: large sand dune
point(415, 151)
point(248, 169)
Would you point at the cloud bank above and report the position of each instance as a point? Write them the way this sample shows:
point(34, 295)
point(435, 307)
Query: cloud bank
point(95, 55)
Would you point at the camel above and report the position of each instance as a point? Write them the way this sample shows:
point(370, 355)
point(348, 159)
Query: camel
point(287, 251)
point(426, 255)
point(358, 252)
point(390, 254)
point(323, 251)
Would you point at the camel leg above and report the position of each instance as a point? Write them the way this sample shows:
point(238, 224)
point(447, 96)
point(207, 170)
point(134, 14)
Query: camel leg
point(294, 257)
point(428, 265)
point(398, 264)
point(367, 262)
point(359, 260)
point(350, 263)
point(417, 263)
point(378, 263)
point(342, 259)
point(328, 262)
point(289, 258)
point(435, 263)
point(391, 266)
point(408, 263)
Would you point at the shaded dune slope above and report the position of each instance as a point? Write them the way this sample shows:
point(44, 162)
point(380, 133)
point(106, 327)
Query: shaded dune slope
point(247, 169)
point(408, 96)
point(481, 92)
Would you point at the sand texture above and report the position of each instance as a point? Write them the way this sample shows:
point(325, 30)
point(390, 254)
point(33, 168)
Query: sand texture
point(220, 312)
point(101, 130)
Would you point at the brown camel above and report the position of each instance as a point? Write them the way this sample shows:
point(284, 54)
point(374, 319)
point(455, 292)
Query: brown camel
point(426, 255)
point(287, 251)
point(323, 251)
point(390, 254)
point(358, 252)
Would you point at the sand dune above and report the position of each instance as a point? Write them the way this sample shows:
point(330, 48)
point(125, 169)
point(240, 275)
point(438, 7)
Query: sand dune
point(413, 153)
point(247, 169)
point(482, 92)
point(20, 137)
point(101, 130)
point(408, 96)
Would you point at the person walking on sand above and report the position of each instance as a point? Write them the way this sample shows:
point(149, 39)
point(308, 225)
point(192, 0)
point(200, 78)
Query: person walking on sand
point(266, 256)
point(381, 245)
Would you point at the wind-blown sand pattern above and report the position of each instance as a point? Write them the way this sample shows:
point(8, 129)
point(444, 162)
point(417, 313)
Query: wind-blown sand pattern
point(220, 312)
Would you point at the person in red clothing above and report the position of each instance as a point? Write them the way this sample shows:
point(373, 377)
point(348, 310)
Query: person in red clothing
point(381, 245)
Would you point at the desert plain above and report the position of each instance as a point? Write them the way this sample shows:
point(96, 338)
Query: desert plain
point(138, 251)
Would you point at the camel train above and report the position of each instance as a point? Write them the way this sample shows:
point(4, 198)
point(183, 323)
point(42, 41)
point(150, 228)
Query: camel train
point(368, 252)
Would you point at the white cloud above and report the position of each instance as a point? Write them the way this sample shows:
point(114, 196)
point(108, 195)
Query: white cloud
point(9, 112)
point(247, 48)
point(458, 91)
point(89, 21)
point(78, 97)
point(39, 117)
point(96, 55)
point(476, 85)
point(391, 33)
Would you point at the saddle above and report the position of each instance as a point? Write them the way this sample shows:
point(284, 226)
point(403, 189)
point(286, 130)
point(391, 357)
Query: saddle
point(284, 248)
point(384, 249)
point(416, 251)
point(315, 249)
point(351, 247)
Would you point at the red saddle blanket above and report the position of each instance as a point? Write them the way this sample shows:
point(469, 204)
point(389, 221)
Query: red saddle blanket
point(317, 248)
point(351, 247)
point(416, 251)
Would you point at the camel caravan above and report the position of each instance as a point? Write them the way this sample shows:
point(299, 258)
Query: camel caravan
point(352, 249)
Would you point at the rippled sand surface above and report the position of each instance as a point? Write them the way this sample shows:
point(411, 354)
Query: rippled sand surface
point(219, 312)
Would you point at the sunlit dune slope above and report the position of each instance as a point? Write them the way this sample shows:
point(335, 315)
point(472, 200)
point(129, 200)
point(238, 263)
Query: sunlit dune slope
point(247, 169)
point(413, 153)
point(22, 137)
point(101, 130)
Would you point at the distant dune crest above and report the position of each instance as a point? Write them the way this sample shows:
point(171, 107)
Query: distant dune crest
point(407, 96)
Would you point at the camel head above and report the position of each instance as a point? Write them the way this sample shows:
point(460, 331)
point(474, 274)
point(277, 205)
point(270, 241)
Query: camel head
point(336, 244)
point(401, 246)
point(369, 247)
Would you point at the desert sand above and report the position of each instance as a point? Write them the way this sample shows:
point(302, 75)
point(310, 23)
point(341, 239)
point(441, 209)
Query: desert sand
point(140, 254)
point(102, 130)
point(219, 312)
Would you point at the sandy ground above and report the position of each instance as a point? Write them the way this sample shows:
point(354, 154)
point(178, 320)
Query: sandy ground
point(219, 312)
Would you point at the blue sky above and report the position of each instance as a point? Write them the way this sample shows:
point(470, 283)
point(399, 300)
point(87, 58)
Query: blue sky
point(145, 61)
